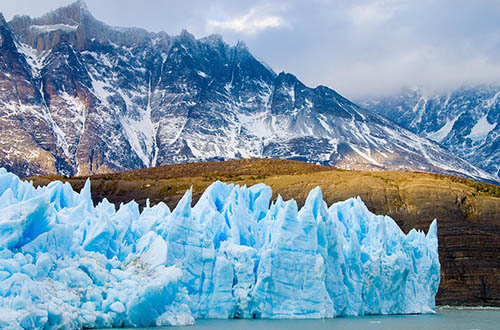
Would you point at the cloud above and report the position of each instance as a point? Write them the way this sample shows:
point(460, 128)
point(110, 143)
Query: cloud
point(251, 23)
point(373, 13)
point(433, 69)
point(358, 47)
point(369, 14)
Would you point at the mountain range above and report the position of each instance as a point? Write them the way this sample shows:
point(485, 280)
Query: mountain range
point(80, 97)
point(465, 121)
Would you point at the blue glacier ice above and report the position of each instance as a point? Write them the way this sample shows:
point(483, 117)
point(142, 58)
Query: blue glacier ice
point(66, 264)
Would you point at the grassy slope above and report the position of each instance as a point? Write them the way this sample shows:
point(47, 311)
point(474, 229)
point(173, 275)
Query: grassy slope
point(291, 179)
point(468, 212)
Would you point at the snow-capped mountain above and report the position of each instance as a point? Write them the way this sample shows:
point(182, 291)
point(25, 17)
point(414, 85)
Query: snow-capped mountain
point(78, 96)
point(465, 121)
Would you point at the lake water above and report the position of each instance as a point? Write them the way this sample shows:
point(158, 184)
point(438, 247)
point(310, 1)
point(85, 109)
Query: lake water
point(443, 319)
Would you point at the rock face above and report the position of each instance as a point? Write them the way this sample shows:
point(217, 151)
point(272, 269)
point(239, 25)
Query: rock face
point(465, 121)
point(468, 239)
point(81, 97)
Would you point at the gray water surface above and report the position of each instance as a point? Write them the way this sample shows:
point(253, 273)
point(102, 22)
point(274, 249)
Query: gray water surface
point(443, 319)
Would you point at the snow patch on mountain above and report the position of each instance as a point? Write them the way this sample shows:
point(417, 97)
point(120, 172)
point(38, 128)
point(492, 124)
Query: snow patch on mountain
point(443, 132)
point(481, 129)
point(54, 27)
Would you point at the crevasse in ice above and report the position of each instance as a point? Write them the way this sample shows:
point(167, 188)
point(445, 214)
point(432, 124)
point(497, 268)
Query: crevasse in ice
point(65, 263)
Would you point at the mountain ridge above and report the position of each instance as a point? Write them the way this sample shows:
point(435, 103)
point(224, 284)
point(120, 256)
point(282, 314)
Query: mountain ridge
point(465, 121)
point(94, 99)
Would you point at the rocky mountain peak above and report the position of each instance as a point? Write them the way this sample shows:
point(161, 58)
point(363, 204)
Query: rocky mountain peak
point(2, 20)
point(75, 24)
point(6, 35)
point(214, 39)
point(242, 46)
point(185, 35)
point(287, 79)
point(73, 14)
point(80, 3)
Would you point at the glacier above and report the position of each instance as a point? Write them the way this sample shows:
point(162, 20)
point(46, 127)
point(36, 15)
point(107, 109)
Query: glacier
point(66, 263)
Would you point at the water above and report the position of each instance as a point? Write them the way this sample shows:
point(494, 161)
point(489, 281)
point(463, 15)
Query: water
point(443, 319)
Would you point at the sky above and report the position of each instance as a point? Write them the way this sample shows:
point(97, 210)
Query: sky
point(360, 48)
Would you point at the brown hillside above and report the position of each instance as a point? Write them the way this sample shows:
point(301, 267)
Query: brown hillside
point(468, 212)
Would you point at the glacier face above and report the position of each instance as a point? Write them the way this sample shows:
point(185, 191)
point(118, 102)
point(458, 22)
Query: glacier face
point(65, 263)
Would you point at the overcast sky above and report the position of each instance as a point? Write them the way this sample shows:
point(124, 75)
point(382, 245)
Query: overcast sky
point(359, 48)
